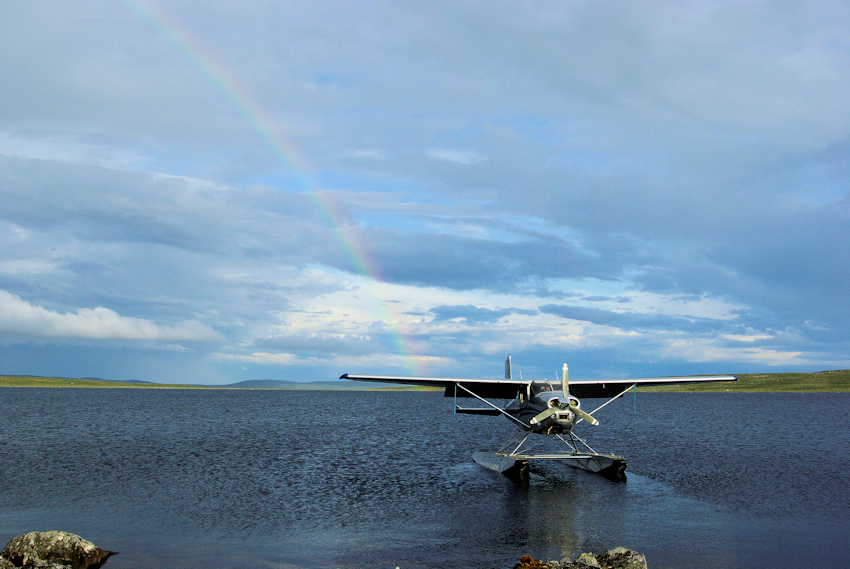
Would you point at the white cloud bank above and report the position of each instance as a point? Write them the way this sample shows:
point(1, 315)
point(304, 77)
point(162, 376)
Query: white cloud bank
point(19, 317)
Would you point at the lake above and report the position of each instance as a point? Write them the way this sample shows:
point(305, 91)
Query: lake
point(300, 479)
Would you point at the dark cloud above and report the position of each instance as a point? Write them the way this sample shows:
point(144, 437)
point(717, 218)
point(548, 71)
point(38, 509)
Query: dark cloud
point(633, 320)
point(465, 263)
point(475, 314)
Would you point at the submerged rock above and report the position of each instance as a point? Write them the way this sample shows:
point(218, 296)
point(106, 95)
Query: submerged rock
point(618, 558)
point(52, 550)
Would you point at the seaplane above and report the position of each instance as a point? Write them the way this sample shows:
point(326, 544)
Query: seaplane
point(539, 407)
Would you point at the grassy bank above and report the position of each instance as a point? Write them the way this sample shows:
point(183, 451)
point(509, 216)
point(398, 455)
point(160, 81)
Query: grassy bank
point(823, 382)
point(837, 381)
point(35, 381)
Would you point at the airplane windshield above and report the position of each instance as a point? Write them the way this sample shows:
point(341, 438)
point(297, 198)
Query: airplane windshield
point(540, 387)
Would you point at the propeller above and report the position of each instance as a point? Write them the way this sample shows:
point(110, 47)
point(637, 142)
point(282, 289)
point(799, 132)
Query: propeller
point(565, 387)
point(586, 416)
point(543, 415)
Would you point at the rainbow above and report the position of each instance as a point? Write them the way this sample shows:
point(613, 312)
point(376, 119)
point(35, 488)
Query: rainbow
point(240, 99)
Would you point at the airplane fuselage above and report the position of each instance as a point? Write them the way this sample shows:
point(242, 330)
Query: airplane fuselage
point(559, 419)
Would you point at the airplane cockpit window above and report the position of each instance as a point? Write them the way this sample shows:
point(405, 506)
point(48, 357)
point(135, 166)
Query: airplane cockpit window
point(540, 387)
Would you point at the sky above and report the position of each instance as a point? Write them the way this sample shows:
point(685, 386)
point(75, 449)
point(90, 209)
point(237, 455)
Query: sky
point(211, 192)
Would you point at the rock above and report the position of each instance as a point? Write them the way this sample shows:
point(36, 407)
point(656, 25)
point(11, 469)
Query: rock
point(619, 558)
point(528, 562)
point(622, 558)
point(52, 550)
point(586, 561)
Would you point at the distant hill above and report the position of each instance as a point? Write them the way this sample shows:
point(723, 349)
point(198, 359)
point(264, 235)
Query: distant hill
point(116, 380)
point(338, 385)
point(39, 381)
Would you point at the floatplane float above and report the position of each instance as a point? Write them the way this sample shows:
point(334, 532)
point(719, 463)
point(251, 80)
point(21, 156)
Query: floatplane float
point(538, 407)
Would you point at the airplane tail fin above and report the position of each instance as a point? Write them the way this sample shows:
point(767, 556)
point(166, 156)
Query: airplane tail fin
point(508, 368)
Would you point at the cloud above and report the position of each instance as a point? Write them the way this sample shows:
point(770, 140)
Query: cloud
point(474, 315)
point(368, 154)
point(635, 320)
point(68, 148)
point(28, 266)
point(262, 358)
point(368, 183)
point(319, 344)
point(466, 157)
point(20, 318)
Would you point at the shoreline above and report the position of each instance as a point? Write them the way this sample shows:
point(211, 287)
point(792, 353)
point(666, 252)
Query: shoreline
point(91, 383)
point(835, 381)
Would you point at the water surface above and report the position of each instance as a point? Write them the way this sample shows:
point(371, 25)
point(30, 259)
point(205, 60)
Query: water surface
point(190, 479)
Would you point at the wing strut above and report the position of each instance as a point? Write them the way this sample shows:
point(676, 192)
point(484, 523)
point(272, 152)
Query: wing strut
point(496, 407)
point(623, 392)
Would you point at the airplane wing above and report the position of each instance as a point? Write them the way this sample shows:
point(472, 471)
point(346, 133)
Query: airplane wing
point(599, 388)
point(508, 388)
point(486, 388)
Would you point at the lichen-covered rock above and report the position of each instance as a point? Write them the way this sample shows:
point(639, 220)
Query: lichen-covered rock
point(619, 558)
point(622, 558)
point(528, 562)
point(586, 561)
point(52, 550)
